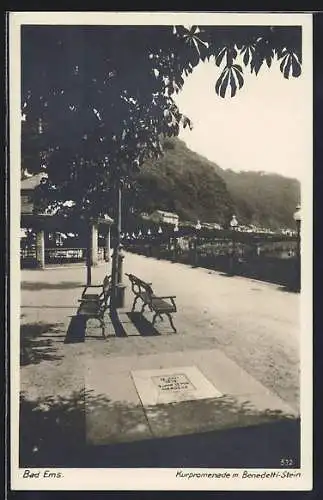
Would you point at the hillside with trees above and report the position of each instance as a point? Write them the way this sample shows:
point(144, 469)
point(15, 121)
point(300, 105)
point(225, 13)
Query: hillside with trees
point(268, 200)
point(196, 188)
point(183, 182)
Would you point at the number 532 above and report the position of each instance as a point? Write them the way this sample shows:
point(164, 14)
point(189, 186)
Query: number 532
point(286, 462)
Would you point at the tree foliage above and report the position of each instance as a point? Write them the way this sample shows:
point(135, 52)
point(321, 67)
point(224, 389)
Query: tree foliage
point(98, 100)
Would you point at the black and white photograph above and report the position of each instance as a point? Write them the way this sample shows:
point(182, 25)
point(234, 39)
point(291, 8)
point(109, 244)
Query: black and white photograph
point(161, 246)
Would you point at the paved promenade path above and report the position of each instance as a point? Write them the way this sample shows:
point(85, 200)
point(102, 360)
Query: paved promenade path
point(240, 336)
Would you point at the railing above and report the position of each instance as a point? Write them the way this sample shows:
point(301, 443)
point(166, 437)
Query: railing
point(277, 264)
point(56, 255)
point(61, 255)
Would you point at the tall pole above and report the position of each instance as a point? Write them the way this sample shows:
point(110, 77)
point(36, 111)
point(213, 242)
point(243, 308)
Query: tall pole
point(175, 243)
point(298, 218)
point(115, 255)
point(88, 255)
point(195, 250)
point(298, 222)
point(233, 225)
point(233, 251)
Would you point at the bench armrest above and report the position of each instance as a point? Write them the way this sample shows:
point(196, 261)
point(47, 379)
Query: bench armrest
point(90, 286)
point(169, 297)
point(130, 276)
point(164, 297)
point(89, 299)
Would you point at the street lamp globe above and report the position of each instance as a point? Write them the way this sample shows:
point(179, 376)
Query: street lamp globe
point(160, 230)
point(149, 232)
point(233, 222)
point(297, 215)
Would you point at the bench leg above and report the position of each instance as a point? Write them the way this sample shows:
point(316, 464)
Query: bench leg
point(143, 307)
point(171, 321)
point(134, 304)
point(102, 326)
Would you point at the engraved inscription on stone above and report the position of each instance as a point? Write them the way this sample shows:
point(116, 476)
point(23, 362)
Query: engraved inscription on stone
point(173, 383)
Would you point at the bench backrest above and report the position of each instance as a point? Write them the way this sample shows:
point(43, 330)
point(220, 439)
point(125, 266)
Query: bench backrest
point(139, 286)
point(106, 288)
point(106, 283)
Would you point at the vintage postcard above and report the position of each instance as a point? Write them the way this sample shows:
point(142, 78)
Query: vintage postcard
point(161, 251)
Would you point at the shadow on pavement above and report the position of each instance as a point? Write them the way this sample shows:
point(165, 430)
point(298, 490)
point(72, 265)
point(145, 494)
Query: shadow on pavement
point(117, 325)
point(45, 306)
point(53, 434)
point(144, 327)
point(33, 348)
point(34, 286)
point(261, 446)
point(76, 330)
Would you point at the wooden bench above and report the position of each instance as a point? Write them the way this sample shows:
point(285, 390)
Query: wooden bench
point(158, 304)
point(102, 295)
point(94, 305)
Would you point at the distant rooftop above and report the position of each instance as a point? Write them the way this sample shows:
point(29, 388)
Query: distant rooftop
point(162, 212)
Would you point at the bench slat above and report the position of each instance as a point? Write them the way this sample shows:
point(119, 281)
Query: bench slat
point(89, 308)
point(160, 305)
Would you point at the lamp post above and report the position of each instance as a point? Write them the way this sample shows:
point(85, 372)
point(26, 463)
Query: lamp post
point(158, 248)
point(197, 228)
point(297, 218)
point(108, 241)
point(233, 226)
point(149, 243)
point(118, 288)
point(175, 242)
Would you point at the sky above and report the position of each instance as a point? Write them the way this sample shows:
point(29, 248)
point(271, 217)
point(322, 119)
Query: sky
point(260, 129)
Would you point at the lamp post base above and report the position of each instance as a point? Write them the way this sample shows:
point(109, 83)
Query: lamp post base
point(120, 296)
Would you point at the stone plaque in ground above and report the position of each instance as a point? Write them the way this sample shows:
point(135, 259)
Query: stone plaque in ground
point(174, 382)
point(171, 385)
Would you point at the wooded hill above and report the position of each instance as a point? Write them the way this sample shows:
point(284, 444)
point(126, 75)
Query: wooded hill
point(196, 188)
